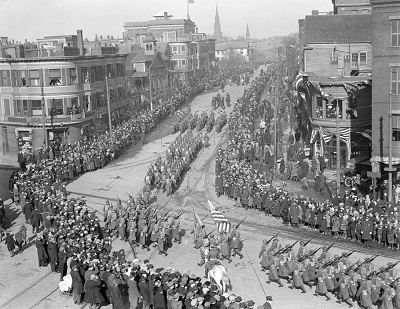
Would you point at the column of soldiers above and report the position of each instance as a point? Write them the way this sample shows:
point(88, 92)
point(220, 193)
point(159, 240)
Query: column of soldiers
point(167, 175)
point(331, 275)
point(142, 226)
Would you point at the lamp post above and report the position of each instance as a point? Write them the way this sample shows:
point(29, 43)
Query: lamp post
point(109, 110)
point(337, 142)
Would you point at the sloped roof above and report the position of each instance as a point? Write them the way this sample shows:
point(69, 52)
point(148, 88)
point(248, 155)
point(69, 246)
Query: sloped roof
point(338, 28)
point(141, 57)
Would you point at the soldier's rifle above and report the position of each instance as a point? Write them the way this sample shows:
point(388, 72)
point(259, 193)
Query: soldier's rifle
point(393, 284)
point(237, 226)
point(308, 241)
point(368, 260)
point(330, 263)
point(276, 235)
point(346, 255)
point(180, 214)
point(384, 269)
point(330, 246)
point(208, 234)
point(312, 253)
point(286, 249)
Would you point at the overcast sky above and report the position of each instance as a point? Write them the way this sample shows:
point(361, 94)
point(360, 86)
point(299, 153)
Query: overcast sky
point(33, 19)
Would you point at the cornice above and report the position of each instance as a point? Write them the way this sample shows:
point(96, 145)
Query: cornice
point(384, 2)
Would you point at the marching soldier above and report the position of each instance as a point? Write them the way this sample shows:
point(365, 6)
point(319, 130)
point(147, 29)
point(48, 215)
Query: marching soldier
point(236, 243)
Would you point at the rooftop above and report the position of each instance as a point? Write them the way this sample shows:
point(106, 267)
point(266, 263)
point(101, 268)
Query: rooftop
point(338, 28)
point(160, 22)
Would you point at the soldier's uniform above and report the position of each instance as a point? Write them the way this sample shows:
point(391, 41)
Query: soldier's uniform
point(213, 257)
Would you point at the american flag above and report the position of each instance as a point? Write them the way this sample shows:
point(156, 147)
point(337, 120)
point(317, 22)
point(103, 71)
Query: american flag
point(223, 224)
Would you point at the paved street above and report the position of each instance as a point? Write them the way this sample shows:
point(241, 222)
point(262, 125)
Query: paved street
point(126, 175)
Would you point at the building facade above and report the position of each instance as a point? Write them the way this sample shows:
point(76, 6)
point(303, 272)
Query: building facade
point(386, 73)
point(351, 7)
point(164, 28)
point(335, 86)
point(66, 94)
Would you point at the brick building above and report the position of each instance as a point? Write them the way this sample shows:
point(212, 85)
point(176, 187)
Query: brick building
point(336, 60)
point(164, 28)
point(66, 92)
point(351, 7)
point(386, 73)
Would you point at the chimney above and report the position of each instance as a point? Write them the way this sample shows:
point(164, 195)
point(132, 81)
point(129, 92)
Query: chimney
point(12, 42)
point(79, 34)
point(95, 38)
point(26, 41)
point(112, 38)
point(108, 37)
point(314, 12)
point(101, 37)
point(165, 15)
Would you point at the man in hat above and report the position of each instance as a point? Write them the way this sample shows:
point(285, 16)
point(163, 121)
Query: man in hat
point(212, 257)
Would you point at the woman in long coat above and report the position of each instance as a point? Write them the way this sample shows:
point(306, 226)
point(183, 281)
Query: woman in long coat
point(41, 250)
point(92, 291)
point(77, 285)
point(133, 292)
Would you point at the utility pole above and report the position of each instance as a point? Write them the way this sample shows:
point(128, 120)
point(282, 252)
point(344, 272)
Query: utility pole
point(109, 110)
point(390, 169)
point(151, 91)
point(337, 141)
point(275, 121)
point(44, 116)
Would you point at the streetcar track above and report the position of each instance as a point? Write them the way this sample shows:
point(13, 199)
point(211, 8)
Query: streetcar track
point(206, 166)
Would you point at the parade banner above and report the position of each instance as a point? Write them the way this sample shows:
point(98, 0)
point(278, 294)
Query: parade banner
point(223, 224)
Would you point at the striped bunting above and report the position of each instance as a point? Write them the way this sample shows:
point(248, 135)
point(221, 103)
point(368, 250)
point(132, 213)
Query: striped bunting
point(223, 224)
point(327, 134)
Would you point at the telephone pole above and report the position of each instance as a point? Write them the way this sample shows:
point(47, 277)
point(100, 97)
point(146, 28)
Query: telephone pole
point(109, 110)
point(44, 116)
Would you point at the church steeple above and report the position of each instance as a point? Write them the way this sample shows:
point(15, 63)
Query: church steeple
point(217, 25)
point(247, 32)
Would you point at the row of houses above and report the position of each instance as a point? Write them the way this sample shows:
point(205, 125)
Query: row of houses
point(56, 88)
point(350, 63)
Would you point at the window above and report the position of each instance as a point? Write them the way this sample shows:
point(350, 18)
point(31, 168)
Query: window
point(174, 64)
point(58, 107)
point(363, 57)
point(36, 108)
point(183, 63)
point(55, 77)
point(34, 78)
point(85, 73)
point(19, 78)
point(395, 33)
point(5, 78)
point(354, 59)
point(73, 78)
point(396, 127)
point(169, 36)
point(395, 80)
point(174, 49)
point(6, 106)
point(183, 49)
